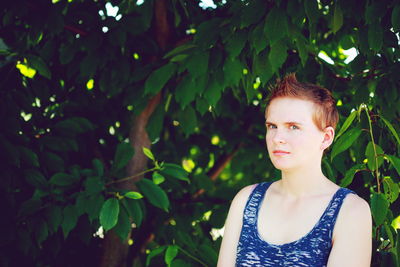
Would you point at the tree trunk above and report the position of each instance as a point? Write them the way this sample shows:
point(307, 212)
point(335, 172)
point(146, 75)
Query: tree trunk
point(115, 251)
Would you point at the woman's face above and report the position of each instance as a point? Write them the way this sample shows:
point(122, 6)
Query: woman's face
point(293, 139)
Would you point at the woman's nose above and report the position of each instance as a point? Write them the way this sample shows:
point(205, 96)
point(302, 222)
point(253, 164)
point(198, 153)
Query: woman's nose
point(279, 137)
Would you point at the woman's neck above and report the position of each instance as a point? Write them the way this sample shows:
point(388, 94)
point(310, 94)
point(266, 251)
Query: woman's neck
point(308, 181)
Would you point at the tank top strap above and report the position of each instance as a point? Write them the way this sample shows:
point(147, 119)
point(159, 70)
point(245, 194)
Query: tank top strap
point(334, 206)
point(253, 203)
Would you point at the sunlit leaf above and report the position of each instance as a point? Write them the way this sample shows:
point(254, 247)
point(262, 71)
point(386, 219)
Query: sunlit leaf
point(170, 254)
point(148, 153)
point(133, 195)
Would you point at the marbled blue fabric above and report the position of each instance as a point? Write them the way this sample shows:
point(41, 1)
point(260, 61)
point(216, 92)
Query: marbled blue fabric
point(311, 250)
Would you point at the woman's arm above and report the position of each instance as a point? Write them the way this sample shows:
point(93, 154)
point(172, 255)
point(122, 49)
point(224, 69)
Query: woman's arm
point(233, 227)
point(352, 236)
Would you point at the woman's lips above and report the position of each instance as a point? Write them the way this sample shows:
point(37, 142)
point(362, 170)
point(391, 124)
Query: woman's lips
point(280, 152)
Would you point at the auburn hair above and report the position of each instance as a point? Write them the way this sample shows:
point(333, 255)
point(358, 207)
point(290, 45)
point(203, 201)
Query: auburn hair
point(325, 113)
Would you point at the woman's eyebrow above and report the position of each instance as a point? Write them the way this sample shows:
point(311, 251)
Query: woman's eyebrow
point(288, 122)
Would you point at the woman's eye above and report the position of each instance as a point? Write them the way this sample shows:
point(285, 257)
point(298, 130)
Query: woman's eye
point(271, 126)
point(294, 127)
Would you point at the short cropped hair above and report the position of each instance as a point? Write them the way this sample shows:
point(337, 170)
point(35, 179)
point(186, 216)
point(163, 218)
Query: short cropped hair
point(325, 113)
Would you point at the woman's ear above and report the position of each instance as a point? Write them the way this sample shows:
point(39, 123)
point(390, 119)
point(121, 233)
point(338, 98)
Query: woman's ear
point(329, 135)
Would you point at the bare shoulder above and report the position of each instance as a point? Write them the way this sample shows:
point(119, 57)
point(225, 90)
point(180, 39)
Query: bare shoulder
point(355, 214)
point(352, 234)
point(355, 207)
point(244, 193)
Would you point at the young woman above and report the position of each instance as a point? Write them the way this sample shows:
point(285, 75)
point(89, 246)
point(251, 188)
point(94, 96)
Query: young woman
point(303, 219)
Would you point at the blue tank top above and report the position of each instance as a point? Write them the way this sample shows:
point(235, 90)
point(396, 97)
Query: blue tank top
point(311, 250)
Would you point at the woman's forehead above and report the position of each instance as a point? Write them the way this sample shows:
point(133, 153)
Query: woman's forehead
point(290, 109)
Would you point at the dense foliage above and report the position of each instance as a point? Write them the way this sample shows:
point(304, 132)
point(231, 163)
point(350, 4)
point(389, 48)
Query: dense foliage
point(85, 91)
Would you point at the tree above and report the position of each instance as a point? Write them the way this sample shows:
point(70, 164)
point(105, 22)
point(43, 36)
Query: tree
point(89, 86)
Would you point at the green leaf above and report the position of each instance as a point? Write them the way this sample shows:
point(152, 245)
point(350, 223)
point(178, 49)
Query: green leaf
point(276, 25)
point(337, 18)
point(188, 120)
point(213, 92)
point(186, 91)
point(63, 179)
point(35, 178)
point(391, 189)
point(93, 205)
point(123, 226)
point(233, 71)
point(179, 263)
point(178, 50)
point(158, 78)
point(349, 120)
point(133, 195)
point(236, 43)
point(88, 65)
point(197, 64)
point(38, 64)
point(379, 208)
point(148, 153)
point(158, 178)
point(155, 124)
point(302, 49)
point(109, 213)
point(94, 185)
point(41, 231)
point(74, 125)
point(175, 171)
point(134, 210)
point(369, 153)
point(98, 166)
point(209, 254)
point(345, 141)
point(395, 161)
point(53, 162)
point(277, 56)
point(254, 11)
point(70, 219)
point(257, 38)
point(170, 254)
point(375, 37)
point(154, 194)
point(348, 177)
point(54, 218)
point(396, 18)
point(29, 156)
point(207, 33)
point(154, 253)
point(391, 129)
point(123, 155)
point(311, 9)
